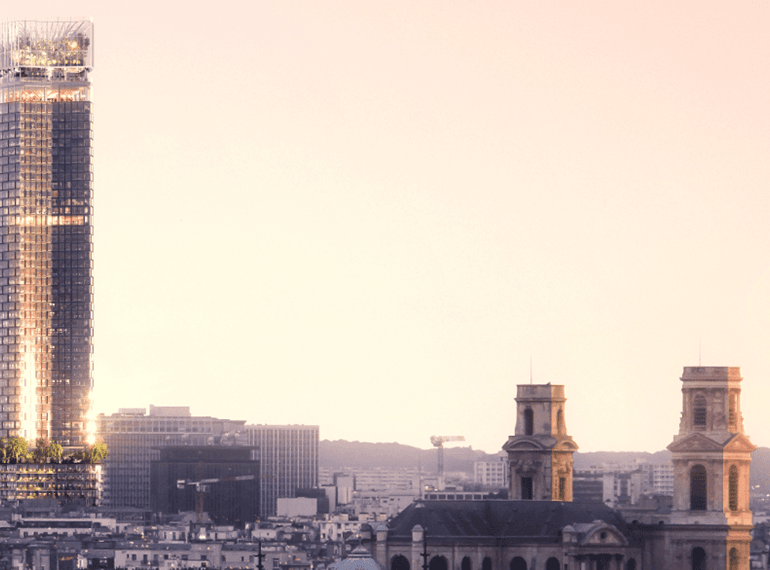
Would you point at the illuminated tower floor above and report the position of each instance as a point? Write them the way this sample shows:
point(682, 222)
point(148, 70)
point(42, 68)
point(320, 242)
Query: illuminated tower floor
point(45, 230)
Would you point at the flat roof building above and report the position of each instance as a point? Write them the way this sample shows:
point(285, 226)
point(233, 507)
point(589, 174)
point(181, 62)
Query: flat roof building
point(135, 439)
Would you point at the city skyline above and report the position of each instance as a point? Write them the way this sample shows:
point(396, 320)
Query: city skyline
point(373, 218)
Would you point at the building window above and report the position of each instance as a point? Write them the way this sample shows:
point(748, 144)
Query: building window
point(698, 488)
point(733, 488)
point(438, 563)
point(465, 564)
point(734, 560)
point(399, 562)
point(699, 412)
point(562, 488)
point(526, 488)
point(518, 563)
point(560, 428)
point(698, 558)
point(552, 564)
point(486, 564)
point(732, 414)
point(529, 421)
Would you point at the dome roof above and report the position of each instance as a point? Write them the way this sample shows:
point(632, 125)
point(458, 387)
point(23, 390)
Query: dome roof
point(359, 559)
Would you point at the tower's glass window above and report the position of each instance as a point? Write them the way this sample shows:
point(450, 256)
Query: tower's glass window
point(562, 488)
point(698, 488)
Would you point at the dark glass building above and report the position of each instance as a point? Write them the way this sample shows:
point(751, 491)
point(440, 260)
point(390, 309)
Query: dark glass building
point(222, 481)
point(45, 230)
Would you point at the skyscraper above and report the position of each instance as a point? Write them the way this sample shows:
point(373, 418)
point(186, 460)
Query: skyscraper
point(45, 229)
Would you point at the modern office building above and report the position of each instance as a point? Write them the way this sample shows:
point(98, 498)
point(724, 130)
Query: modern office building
point(222, 481)
point(288, 456)
point(45, 230)
point(135, 440)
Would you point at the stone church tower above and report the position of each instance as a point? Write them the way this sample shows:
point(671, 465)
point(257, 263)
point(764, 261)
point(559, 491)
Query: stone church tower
point(540, 453)
point(711, 457)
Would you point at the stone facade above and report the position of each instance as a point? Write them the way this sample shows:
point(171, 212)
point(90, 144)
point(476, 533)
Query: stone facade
point(711, 456)
point(540, 452)
point(709, 527)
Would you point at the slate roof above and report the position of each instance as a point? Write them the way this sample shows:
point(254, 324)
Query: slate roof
point(498, 522)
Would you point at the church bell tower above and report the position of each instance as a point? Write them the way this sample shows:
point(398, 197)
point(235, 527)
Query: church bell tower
point(711, 457)
point(540, 452)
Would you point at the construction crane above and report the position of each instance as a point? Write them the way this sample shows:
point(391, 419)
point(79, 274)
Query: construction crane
point(438, 441)
point(204, 486)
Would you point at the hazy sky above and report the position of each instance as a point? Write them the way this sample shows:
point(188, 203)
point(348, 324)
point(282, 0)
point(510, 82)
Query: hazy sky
point(370, 215)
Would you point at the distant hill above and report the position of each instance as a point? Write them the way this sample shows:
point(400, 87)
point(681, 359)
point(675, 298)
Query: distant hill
point(339, 454)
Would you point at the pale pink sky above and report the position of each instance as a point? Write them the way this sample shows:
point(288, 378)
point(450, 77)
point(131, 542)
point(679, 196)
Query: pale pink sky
point(369, 215)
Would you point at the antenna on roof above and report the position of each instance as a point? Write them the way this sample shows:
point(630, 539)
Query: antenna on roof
point(530, 369)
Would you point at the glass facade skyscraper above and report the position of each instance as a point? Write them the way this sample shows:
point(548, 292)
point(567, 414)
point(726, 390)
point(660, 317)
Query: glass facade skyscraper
point(45, 230)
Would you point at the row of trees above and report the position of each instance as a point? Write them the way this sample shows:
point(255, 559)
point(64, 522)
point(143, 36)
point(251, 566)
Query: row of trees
point(17, 450)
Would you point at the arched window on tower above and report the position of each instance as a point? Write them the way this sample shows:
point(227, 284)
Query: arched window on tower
point(699, 412)
point(698, 488)
point(560, 429)
point(529, 422)
point(733, 559)
point(732, 414)
point(732, 486)
point(698, 556)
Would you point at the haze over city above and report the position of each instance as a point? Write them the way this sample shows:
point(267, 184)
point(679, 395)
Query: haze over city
point(373, 216)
